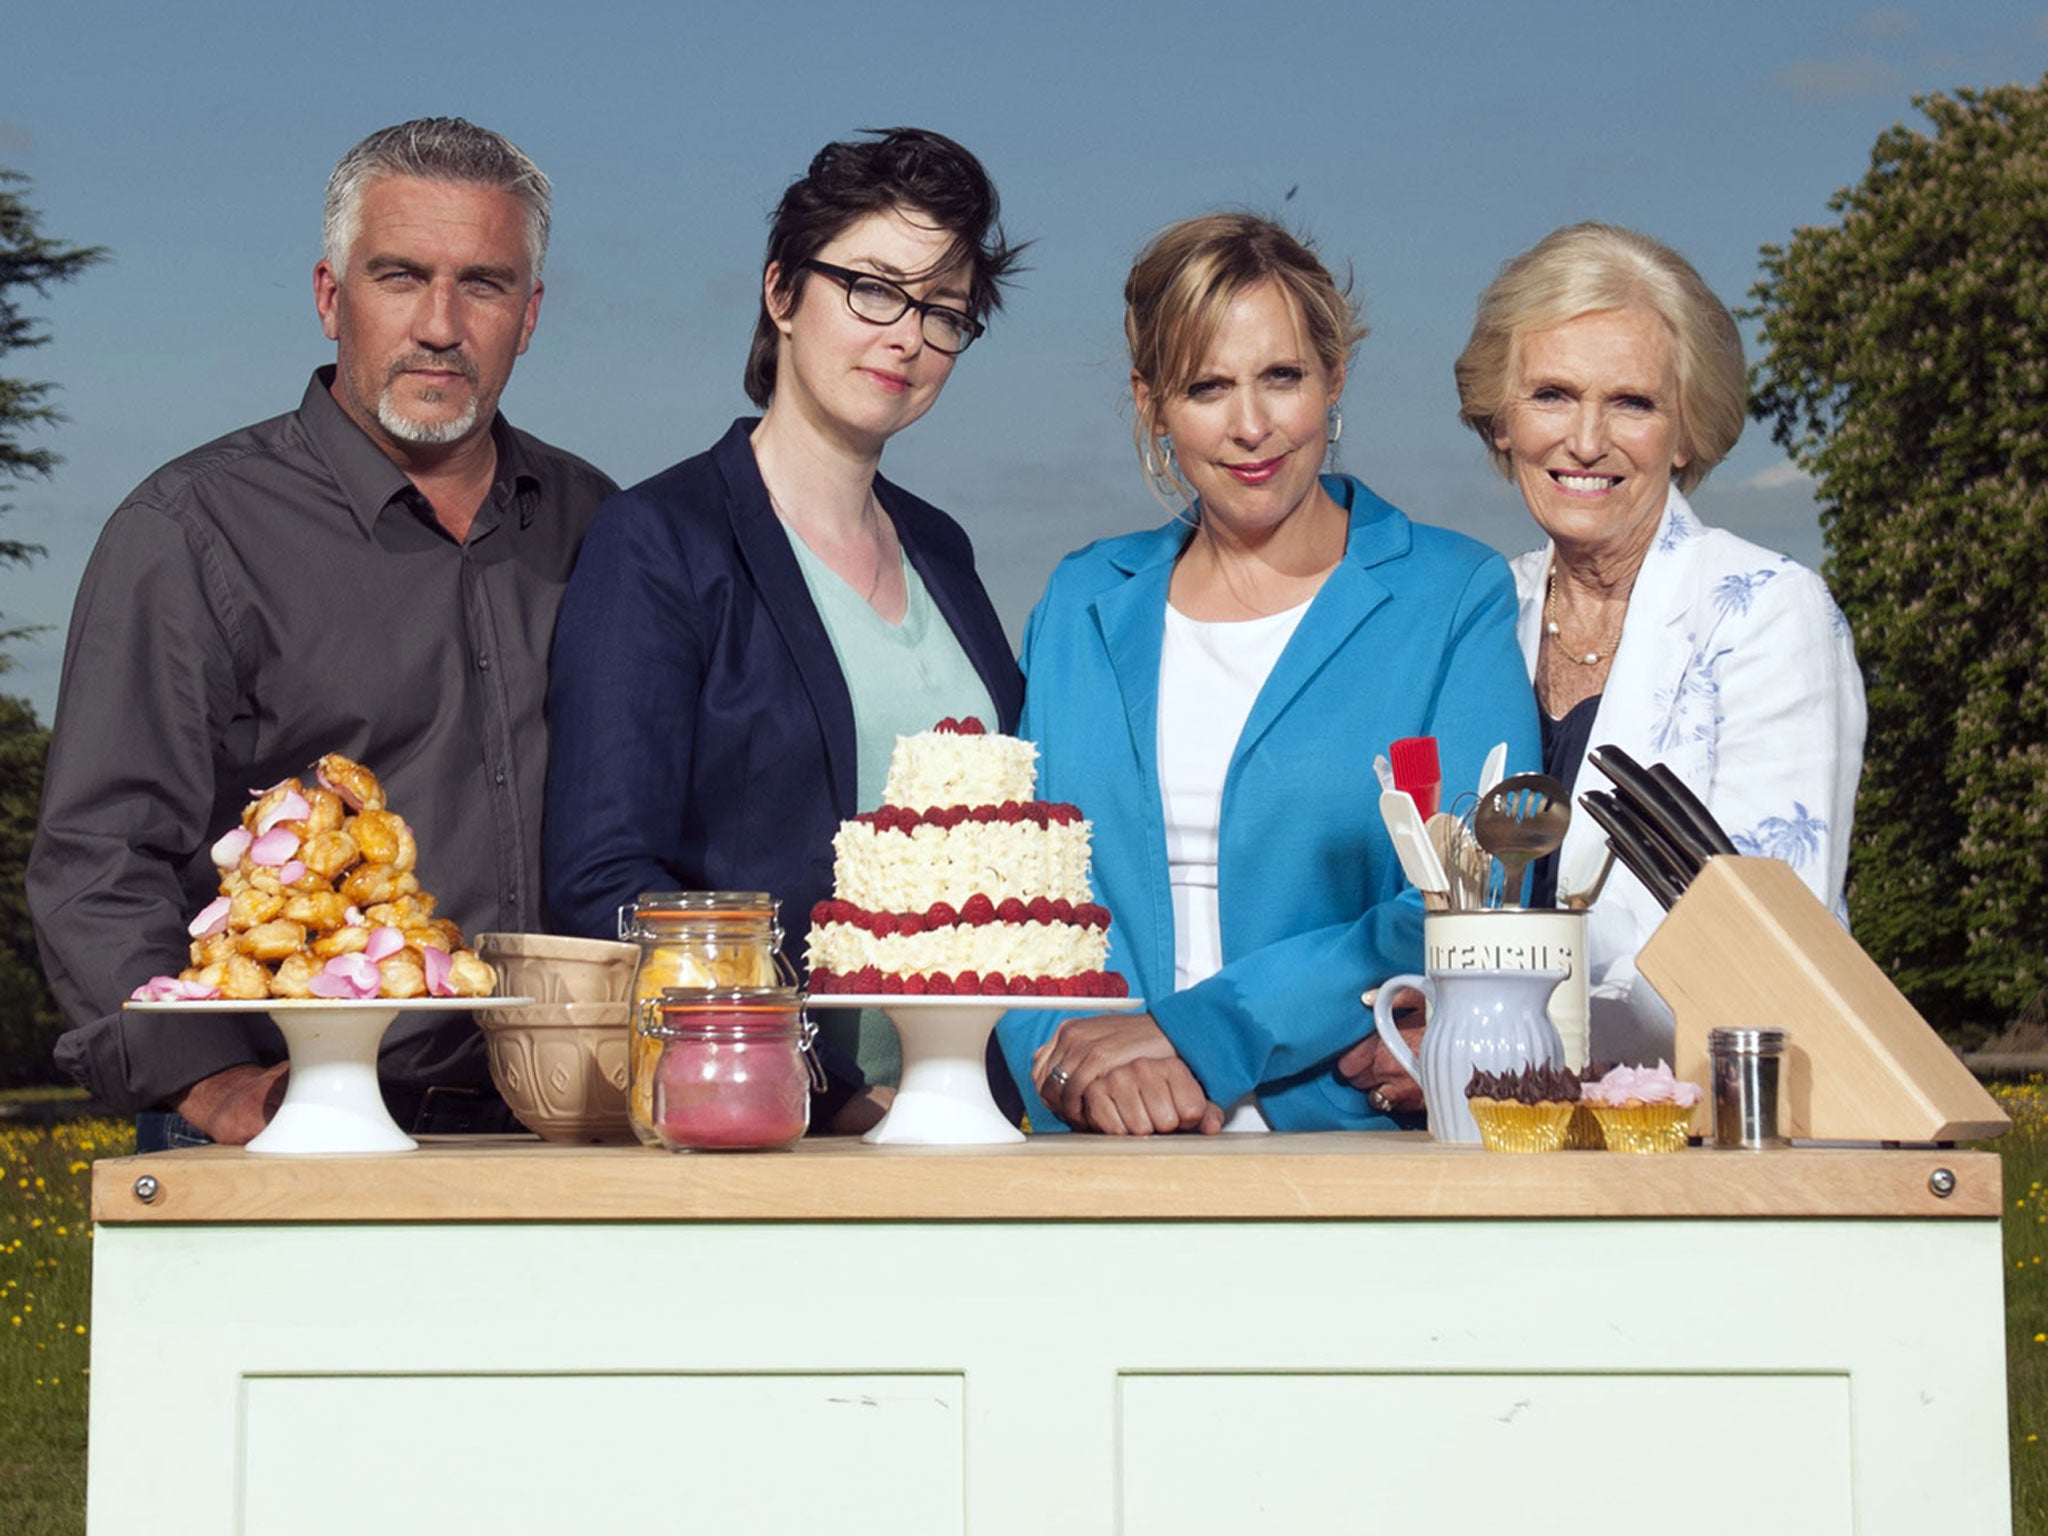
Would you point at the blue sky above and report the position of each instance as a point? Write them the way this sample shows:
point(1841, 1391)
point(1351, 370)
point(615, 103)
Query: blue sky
point(1424, 147)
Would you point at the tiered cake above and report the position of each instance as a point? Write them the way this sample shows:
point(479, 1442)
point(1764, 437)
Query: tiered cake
point(962, 882)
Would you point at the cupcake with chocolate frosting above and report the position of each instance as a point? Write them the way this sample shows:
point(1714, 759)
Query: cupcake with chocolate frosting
point(1525, 1110)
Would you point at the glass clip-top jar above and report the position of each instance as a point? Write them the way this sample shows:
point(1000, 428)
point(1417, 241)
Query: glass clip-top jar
point(699, 939)
point(733, 1070)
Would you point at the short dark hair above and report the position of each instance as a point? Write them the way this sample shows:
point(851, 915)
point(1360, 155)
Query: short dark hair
point(893, 168)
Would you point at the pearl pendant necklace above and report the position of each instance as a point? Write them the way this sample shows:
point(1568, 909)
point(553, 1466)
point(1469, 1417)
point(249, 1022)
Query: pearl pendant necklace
point(1590, 658)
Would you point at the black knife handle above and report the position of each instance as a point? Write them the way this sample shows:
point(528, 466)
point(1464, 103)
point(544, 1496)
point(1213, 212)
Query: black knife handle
point(1693, 809)
point(1655, 809)
point(1645, 863)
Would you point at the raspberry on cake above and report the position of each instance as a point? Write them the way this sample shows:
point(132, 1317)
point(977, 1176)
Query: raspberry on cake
point(964, 879)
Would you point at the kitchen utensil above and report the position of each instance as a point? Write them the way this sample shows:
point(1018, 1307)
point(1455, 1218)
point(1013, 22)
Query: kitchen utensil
point(1416, 771)
point(1580, 900)
point(1412, 846)
point(1465, 863)
point(1384, 771)
point(1524, 818)
point(1685, 827)
point(1682, 851)
point(1496, 765)
point(1490, 1020)
point(1694, 810)
point(1644, 859)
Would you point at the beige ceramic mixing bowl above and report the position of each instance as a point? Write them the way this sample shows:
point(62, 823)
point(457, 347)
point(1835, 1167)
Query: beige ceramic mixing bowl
point(560, 1061)
point(551, 969)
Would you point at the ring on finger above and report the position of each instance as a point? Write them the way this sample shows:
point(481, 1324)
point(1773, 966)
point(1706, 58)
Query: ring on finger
point(1378, 1099)
point(1058, 1077)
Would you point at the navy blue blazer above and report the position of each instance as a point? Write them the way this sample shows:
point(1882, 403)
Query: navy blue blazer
point(701, 732)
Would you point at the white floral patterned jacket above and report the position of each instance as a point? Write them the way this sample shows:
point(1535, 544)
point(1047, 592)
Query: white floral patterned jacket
point(1735, 668)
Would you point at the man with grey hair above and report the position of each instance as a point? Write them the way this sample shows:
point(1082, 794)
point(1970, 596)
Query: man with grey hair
point(374, 574)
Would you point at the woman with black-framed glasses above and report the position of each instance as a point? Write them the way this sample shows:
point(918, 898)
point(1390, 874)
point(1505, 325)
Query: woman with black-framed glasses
point(748, 632)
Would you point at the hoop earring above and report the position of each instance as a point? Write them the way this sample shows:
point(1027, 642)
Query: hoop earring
point(1333, 423)
point(1157, 460)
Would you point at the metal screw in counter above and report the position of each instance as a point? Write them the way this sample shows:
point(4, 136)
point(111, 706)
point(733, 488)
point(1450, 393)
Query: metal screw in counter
point(1745, 1069)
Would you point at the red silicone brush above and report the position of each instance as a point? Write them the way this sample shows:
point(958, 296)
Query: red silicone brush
point(1416, 771)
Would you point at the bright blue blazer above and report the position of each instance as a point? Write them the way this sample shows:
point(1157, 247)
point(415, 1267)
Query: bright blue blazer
point(1412, 634)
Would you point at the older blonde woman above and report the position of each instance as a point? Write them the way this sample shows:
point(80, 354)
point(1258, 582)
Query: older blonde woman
point(1213, 690)
point(1606, 380)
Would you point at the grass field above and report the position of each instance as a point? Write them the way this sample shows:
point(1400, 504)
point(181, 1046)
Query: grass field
point(45, 1317)
point(2026, 1297)
point(45, 1296)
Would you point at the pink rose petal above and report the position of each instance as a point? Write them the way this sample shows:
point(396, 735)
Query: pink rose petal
point(438, 964)
point(346, 977)
point(173, 989)
point(274, 847)
point(348, 797)
point(384, 943)
point(234, 842)
point(292, 807)
point(212, 918)
point(291, 872)
point(354, 918)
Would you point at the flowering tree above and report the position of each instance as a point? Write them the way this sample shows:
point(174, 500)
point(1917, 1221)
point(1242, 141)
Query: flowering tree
point(1905, 365)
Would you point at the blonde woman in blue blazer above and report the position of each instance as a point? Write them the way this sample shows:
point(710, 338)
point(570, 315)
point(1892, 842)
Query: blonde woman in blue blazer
point(1212, 694)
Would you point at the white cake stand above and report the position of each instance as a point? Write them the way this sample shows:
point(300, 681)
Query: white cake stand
point(943, 1099)
point(331, 1103)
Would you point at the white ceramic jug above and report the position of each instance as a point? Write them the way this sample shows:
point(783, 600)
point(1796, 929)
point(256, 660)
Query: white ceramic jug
point(1497, 1021)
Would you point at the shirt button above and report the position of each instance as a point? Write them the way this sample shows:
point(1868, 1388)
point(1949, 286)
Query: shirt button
point(483, 663)
point(499, 776)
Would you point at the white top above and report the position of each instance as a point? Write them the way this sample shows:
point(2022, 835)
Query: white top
point(1210, 675)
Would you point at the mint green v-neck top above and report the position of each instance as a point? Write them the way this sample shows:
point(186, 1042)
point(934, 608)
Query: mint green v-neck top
point(903, 678)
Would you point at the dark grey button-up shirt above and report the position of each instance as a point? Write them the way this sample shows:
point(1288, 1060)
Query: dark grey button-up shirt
point(276, 595)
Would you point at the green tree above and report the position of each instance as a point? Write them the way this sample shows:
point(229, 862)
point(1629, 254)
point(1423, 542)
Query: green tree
point(1905, 366)
point(29, 1020)
point(27, 260)
point(28, 1017)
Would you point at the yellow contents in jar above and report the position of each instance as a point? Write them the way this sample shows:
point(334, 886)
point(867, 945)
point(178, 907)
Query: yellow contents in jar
point(684, 964)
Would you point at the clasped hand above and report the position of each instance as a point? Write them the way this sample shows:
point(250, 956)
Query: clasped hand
point(1120, 1075)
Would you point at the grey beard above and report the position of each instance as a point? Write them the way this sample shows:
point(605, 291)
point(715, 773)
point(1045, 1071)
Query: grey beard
point(424, 433)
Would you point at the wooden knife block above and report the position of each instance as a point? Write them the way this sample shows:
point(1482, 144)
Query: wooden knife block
point(1749, 945)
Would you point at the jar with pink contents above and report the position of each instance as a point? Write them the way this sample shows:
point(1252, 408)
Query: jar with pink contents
point(735, 1070)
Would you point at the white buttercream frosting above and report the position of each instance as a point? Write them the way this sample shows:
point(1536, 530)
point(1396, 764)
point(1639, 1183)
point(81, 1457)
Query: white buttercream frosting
point(1015, 949)
point(892, 871)
point(937, 769)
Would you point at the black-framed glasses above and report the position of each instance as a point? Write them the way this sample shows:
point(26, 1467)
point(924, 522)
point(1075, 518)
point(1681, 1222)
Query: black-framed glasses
point(881, 302)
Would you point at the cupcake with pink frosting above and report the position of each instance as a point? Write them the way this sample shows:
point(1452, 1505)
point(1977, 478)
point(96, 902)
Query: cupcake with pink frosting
point(1642, 1109)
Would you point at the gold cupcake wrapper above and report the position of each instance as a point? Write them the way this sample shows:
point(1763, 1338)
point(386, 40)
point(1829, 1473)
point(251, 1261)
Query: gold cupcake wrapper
point(1505, 1126)
point(1583, 1133)
point(1643, 1127)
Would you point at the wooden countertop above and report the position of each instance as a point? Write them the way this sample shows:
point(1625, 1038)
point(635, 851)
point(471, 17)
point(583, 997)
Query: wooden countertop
point(1330, 1176)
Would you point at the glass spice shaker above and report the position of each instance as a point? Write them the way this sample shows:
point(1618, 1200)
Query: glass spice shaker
point(734, 1070)
point(702, 939)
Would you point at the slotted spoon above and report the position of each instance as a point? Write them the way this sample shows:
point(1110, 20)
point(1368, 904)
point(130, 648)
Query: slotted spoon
point(1520, 819)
